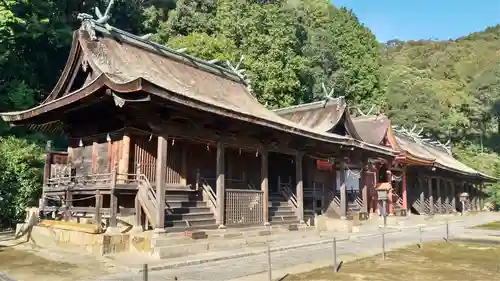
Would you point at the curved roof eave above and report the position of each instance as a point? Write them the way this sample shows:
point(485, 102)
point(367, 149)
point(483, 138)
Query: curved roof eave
point(100, 81)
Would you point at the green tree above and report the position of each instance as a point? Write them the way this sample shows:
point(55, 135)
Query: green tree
point(20, 180)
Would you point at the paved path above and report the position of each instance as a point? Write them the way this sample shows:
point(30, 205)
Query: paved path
point(283, 259)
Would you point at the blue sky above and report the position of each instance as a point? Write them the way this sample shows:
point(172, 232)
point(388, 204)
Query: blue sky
point(424, 19)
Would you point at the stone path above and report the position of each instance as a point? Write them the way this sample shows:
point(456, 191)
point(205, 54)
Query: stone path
point(310, 251)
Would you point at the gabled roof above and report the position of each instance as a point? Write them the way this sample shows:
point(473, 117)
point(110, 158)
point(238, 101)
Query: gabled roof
point(375, 128)
point(127, 63)
point(322, 115)
point(372, 128)
point(441, 157)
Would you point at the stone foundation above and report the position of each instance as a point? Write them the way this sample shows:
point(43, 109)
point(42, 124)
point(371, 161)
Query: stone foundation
point(62, 235)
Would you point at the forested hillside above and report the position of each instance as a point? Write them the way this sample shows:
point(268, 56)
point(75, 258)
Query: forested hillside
point(452, 90)
point(289, 48)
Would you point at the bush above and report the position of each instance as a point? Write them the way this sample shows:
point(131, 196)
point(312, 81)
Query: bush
point(21, 169)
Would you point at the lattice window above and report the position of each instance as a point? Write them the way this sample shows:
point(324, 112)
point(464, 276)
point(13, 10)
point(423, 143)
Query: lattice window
point(244, 207)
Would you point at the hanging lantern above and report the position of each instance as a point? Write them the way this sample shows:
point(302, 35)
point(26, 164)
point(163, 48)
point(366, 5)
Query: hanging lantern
point(108, 138)
point(173, 142)
point(80, 144)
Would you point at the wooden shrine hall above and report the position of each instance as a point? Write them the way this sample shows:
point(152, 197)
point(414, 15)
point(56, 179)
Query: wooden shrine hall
point(425, 177)
point(173, 142)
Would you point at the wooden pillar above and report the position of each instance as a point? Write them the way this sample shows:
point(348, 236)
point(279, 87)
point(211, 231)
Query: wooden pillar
point(438, 194)
point(161, 169)
point(453, 196)
point(113, 203)
point(481, 202)
point(47, 162)
point(364, 177)
point(138, 213)
point(388, 179)
point(264, 185)
point(300, 186)
point(343, 195)
point(220, 189)
point(184, 169)
point(403, 188)
point(474, 186)
point(46, 173)
point(431, 196)
point(123, 162)
point(374, 197)
point(98, 205)
point(422, 194)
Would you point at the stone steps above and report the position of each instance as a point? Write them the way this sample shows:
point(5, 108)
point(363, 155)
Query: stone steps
point(185, 210)
point(280, 211)
point(172, 246)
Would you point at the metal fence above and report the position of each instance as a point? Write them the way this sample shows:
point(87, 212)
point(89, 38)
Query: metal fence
point(271, 260)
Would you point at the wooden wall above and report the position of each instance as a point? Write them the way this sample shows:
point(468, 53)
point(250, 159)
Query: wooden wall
point(144, 155)
point(97, 156)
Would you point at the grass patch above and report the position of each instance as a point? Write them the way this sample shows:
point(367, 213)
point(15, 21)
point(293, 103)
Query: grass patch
point(489, 226)
point(437, 261)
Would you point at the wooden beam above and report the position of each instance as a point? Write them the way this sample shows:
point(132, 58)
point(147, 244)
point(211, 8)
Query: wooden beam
point(161, 164)
point(264, 185)
point(220, 189)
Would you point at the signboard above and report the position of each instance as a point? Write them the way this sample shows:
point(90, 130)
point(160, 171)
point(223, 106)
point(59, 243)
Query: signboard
point(323, 165)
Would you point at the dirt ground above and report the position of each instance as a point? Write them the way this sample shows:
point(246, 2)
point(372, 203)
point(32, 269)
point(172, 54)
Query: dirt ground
point(438, 261)
point(24, 262)
point(489, 226)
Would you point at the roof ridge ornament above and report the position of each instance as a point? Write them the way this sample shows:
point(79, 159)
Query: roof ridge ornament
point(329, 95)
point(239, 72)
point(88, 22)
point(418, 138)
point(361, 113)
